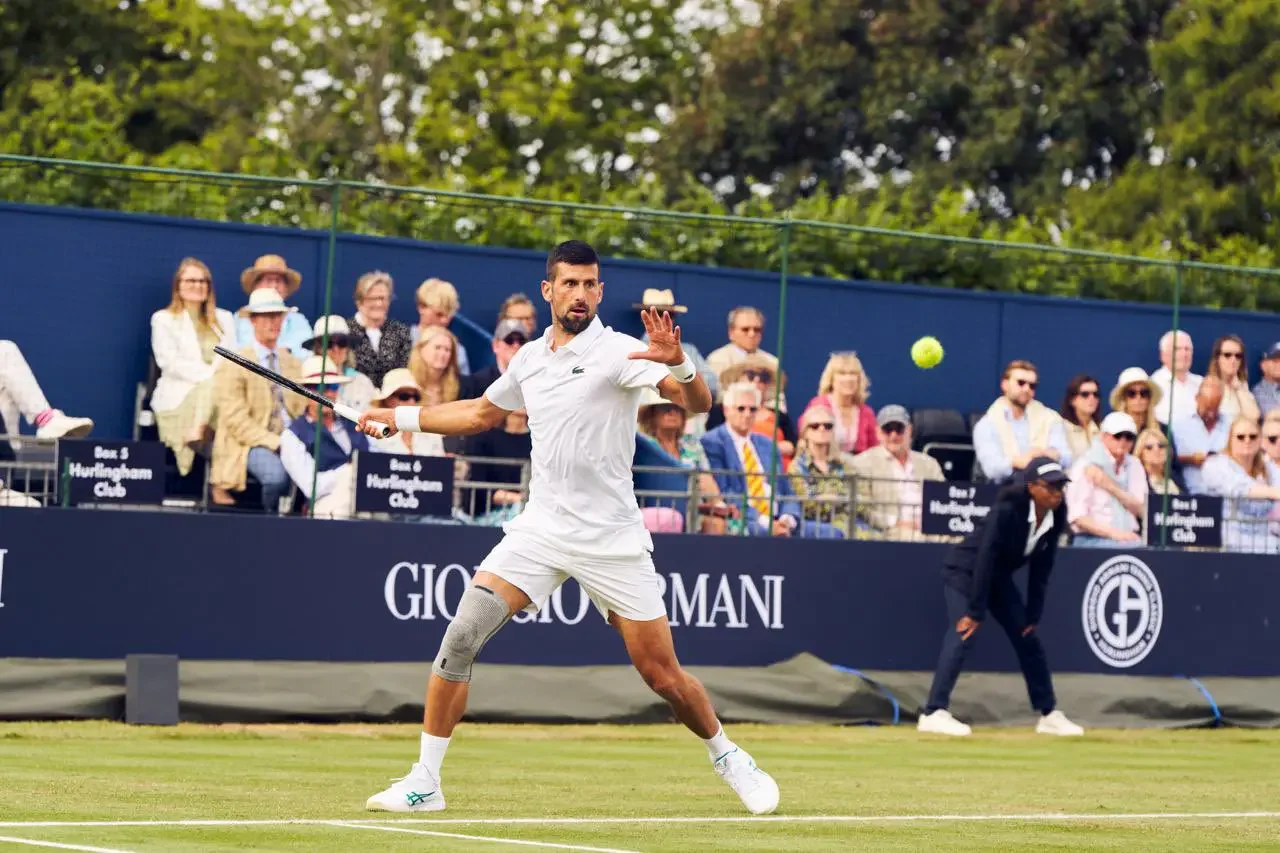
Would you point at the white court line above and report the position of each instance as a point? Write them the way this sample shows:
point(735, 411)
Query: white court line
point(516, 841)
point(1034, 817)
point(8, 839)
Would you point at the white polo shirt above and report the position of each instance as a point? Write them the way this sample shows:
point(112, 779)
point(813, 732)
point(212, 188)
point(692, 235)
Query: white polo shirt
point(582, 402)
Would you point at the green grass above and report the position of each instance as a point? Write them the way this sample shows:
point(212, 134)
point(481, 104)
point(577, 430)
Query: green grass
point(110, 772)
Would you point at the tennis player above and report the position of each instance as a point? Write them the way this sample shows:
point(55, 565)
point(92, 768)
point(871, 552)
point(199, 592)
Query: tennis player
point(581, 385)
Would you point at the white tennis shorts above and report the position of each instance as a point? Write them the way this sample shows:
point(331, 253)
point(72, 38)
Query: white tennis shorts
point(628, 586)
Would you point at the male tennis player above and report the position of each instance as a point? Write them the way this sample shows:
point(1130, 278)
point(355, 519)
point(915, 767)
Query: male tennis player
point(581, 385)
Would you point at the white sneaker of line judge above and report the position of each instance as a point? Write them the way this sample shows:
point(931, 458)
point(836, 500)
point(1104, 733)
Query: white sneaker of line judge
point(757, 789)
point(940, 722)
point(417, 792)
point(60, 425)
point(1056, 723)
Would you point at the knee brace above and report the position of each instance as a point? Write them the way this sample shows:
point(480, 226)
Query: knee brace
point(481, 612)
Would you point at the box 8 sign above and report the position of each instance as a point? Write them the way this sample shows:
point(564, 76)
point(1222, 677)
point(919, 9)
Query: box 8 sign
point(104, 472)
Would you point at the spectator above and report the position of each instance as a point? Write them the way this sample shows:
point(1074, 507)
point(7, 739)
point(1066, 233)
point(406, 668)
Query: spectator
point(1080, 413)
point(1107, 494)
point(1137, 396)
point(357, 392)
point(1178, 385)
point(1017, 427)
point(662, 423)
point(665, 300)
point(381, 343)
point(434, 365)
point(820, 472)
point(734, 447)
point(438, 304)
point(272, 271)
point(20, 394)
point(11, 498)
point(746, 331)
point(1152, 451)
point(508, 337)
point(491, 503)
point(252, 411)
point(335, 481)
point(183, 336)
point(1203, 432)
point(1227, 363)
point(1267, 391)
point(1271, 435)
point(517, 306)
point(399, 388)
point(1250, 481)
point(844, 388)
point(891, 477)
point(775, 426)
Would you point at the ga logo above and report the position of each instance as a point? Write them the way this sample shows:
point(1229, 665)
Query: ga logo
point(1122, 611)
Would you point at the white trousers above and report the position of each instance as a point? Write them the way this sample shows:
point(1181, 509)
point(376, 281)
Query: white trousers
point(19, 391)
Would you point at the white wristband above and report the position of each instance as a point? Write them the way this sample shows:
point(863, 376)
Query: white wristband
point(684, 371)
point(407, 418)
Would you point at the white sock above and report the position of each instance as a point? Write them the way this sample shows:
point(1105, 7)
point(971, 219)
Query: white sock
point(432, 753)
point(718, 744)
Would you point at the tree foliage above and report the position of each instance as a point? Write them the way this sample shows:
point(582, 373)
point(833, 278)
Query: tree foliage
point(1148, 127)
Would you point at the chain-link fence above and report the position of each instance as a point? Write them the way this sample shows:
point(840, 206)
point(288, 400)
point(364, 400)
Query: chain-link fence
point(783, 248)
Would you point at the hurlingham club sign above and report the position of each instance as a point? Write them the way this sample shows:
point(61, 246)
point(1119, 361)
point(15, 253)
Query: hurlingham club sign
point(1122, 611)
point(706, 600)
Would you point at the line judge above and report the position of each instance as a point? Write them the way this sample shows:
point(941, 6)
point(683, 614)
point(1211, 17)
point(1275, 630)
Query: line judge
point(1023, 527)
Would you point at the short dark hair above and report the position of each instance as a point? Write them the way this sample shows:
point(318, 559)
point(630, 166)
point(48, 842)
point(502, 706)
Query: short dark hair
point(1018, 364)
point(572, 252)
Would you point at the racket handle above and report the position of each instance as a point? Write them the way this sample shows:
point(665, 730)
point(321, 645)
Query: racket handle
point(352, 415)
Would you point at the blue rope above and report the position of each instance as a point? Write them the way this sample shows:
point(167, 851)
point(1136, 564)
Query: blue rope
point(882, 691)
point(1204, 691)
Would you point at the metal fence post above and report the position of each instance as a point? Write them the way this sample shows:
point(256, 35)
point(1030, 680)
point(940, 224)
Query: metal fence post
point(335, 204)
point(774, 456)
point(1168, 430)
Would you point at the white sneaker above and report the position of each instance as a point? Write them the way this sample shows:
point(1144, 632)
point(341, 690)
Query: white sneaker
point(940, 722)
point(1056, 723)
point(757, 790)
point(417, 792)
point(61, 426)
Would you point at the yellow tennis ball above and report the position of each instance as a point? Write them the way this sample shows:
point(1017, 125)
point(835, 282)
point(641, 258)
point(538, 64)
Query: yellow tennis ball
point(926, 352)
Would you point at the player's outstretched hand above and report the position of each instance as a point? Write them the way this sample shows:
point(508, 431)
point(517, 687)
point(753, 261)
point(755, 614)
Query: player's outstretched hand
point(664, 338)
point(386, 417)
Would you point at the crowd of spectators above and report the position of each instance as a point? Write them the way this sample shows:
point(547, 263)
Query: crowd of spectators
point(845, 468)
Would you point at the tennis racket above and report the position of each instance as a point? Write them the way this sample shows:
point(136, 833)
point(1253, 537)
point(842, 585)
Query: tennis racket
point(339, 409)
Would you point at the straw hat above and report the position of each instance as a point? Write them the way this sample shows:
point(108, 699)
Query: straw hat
point(1131, 376)
point(736, 371)
point(270, 263)
point(266, 301)
point(336, 326)
point(396, 380)
point(664, 300)
point(649, 397)
point(314, 372)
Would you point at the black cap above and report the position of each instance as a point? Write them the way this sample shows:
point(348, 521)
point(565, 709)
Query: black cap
point(1046, 469)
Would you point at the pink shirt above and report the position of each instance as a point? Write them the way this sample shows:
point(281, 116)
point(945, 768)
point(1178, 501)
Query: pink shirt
point(1085, 500)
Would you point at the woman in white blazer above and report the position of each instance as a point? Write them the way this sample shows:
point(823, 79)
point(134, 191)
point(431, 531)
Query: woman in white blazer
point(183, 336)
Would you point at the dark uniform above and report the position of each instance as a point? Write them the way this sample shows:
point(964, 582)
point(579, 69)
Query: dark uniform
point(978, 582)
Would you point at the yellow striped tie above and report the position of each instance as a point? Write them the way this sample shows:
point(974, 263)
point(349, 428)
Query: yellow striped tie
point(755, 479)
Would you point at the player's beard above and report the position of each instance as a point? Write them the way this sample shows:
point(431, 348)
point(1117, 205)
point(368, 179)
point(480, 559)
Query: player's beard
point(574, 325)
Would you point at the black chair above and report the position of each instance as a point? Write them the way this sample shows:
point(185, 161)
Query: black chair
point(144, 421)
point(943, 434)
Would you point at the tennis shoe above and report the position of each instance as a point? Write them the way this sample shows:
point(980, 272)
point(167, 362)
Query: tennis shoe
point(417, 792)
point(756, 789)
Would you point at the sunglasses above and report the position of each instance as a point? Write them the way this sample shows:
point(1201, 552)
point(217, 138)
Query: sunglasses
point(1155, 446)
point(1086, 394)
point(194, 280)
point(407, 397)
point(746, 408)
point(1246, 436)
point(894, 429)
point(1272, 439)
point(340, 341)
point(1232, 355)
point(751, 330)
point(1126, 436)
point(1137, 392)
point(762, 375)
point(1027, 383)
point(515, 339)
point(826, 426)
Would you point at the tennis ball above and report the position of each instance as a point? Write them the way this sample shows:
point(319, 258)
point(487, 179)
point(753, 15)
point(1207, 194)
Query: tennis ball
point(926, 352)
